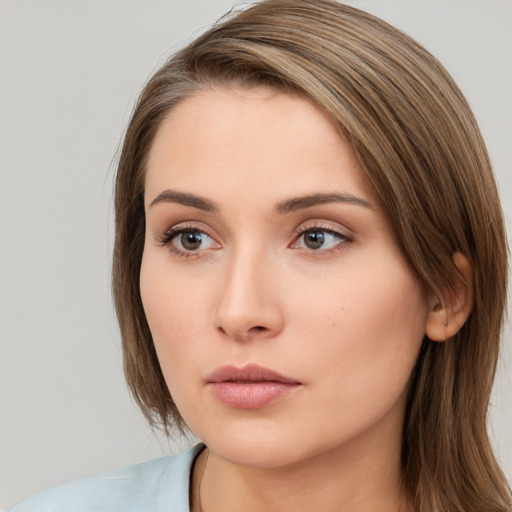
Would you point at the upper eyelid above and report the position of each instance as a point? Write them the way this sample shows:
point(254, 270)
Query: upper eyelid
point(170, 233)
point(319, 224)
point(188, 226)
point(328, 229)
point(325, 225)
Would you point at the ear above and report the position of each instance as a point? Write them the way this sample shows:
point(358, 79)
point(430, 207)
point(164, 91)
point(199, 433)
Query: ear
point(447, 315)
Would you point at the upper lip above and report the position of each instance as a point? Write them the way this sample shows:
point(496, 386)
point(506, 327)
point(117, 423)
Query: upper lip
point(248, 373)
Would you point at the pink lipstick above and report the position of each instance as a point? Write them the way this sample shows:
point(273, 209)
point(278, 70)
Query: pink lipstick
point(249, 387)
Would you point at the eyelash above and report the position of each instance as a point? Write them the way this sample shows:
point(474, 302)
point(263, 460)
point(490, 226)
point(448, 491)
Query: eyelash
point(344, 239)
point(172, 233)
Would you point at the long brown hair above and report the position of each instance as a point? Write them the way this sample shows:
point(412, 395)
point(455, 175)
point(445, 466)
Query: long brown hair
point(419, 143)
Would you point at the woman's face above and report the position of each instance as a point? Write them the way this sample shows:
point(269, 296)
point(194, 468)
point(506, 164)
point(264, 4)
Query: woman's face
point(284, 316)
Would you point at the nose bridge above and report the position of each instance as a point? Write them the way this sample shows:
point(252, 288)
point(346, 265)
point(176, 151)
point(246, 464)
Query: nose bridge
point(248, 304)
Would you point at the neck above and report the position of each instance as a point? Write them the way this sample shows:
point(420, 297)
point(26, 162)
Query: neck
point(360, 477)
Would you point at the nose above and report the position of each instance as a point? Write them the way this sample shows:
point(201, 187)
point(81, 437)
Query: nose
point(248, 303)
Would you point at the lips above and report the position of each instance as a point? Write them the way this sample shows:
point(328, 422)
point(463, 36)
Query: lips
point(249, 387)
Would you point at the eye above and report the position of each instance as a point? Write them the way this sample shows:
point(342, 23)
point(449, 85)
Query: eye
point(192, 240)
point(186, 241)
point(320, 239)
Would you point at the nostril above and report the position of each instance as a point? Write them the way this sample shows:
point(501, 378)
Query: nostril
point(258, 328)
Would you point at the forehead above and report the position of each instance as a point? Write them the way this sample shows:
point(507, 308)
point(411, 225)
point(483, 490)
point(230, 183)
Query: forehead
point(244, 142)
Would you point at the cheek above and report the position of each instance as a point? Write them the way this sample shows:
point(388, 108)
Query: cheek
point(377, 296)
point(175, 314)
point(370, 320)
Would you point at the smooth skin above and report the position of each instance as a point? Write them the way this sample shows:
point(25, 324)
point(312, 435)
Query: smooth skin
point(239, 268)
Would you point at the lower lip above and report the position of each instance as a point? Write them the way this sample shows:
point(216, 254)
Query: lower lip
point(251, 395)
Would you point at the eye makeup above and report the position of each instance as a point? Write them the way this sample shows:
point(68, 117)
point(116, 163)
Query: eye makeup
point(314, 238)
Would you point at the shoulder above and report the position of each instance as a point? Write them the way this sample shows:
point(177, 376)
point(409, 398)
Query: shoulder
point(151, 486)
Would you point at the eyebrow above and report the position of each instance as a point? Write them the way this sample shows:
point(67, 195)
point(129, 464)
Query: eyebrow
point(288, 206)
point(173, 196)
point(298, 203)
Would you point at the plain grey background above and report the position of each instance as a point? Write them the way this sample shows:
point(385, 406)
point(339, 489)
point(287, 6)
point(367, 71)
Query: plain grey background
point(70, 71)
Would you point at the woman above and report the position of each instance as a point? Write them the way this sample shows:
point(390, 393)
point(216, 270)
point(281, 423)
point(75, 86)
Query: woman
point(309, 273)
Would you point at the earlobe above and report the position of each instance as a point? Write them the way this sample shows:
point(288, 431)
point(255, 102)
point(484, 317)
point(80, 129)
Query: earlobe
point(447, 315)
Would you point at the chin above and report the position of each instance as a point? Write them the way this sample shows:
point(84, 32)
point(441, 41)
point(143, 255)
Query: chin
point(253, 446)
point(263, 448)
point(254, 453)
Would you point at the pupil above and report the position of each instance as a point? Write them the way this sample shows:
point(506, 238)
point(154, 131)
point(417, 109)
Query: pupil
point(191, 241)
point(314, 239)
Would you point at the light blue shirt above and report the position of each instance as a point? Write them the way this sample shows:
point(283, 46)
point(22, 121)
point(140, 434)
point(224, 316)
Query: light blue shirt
point(160, 485)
